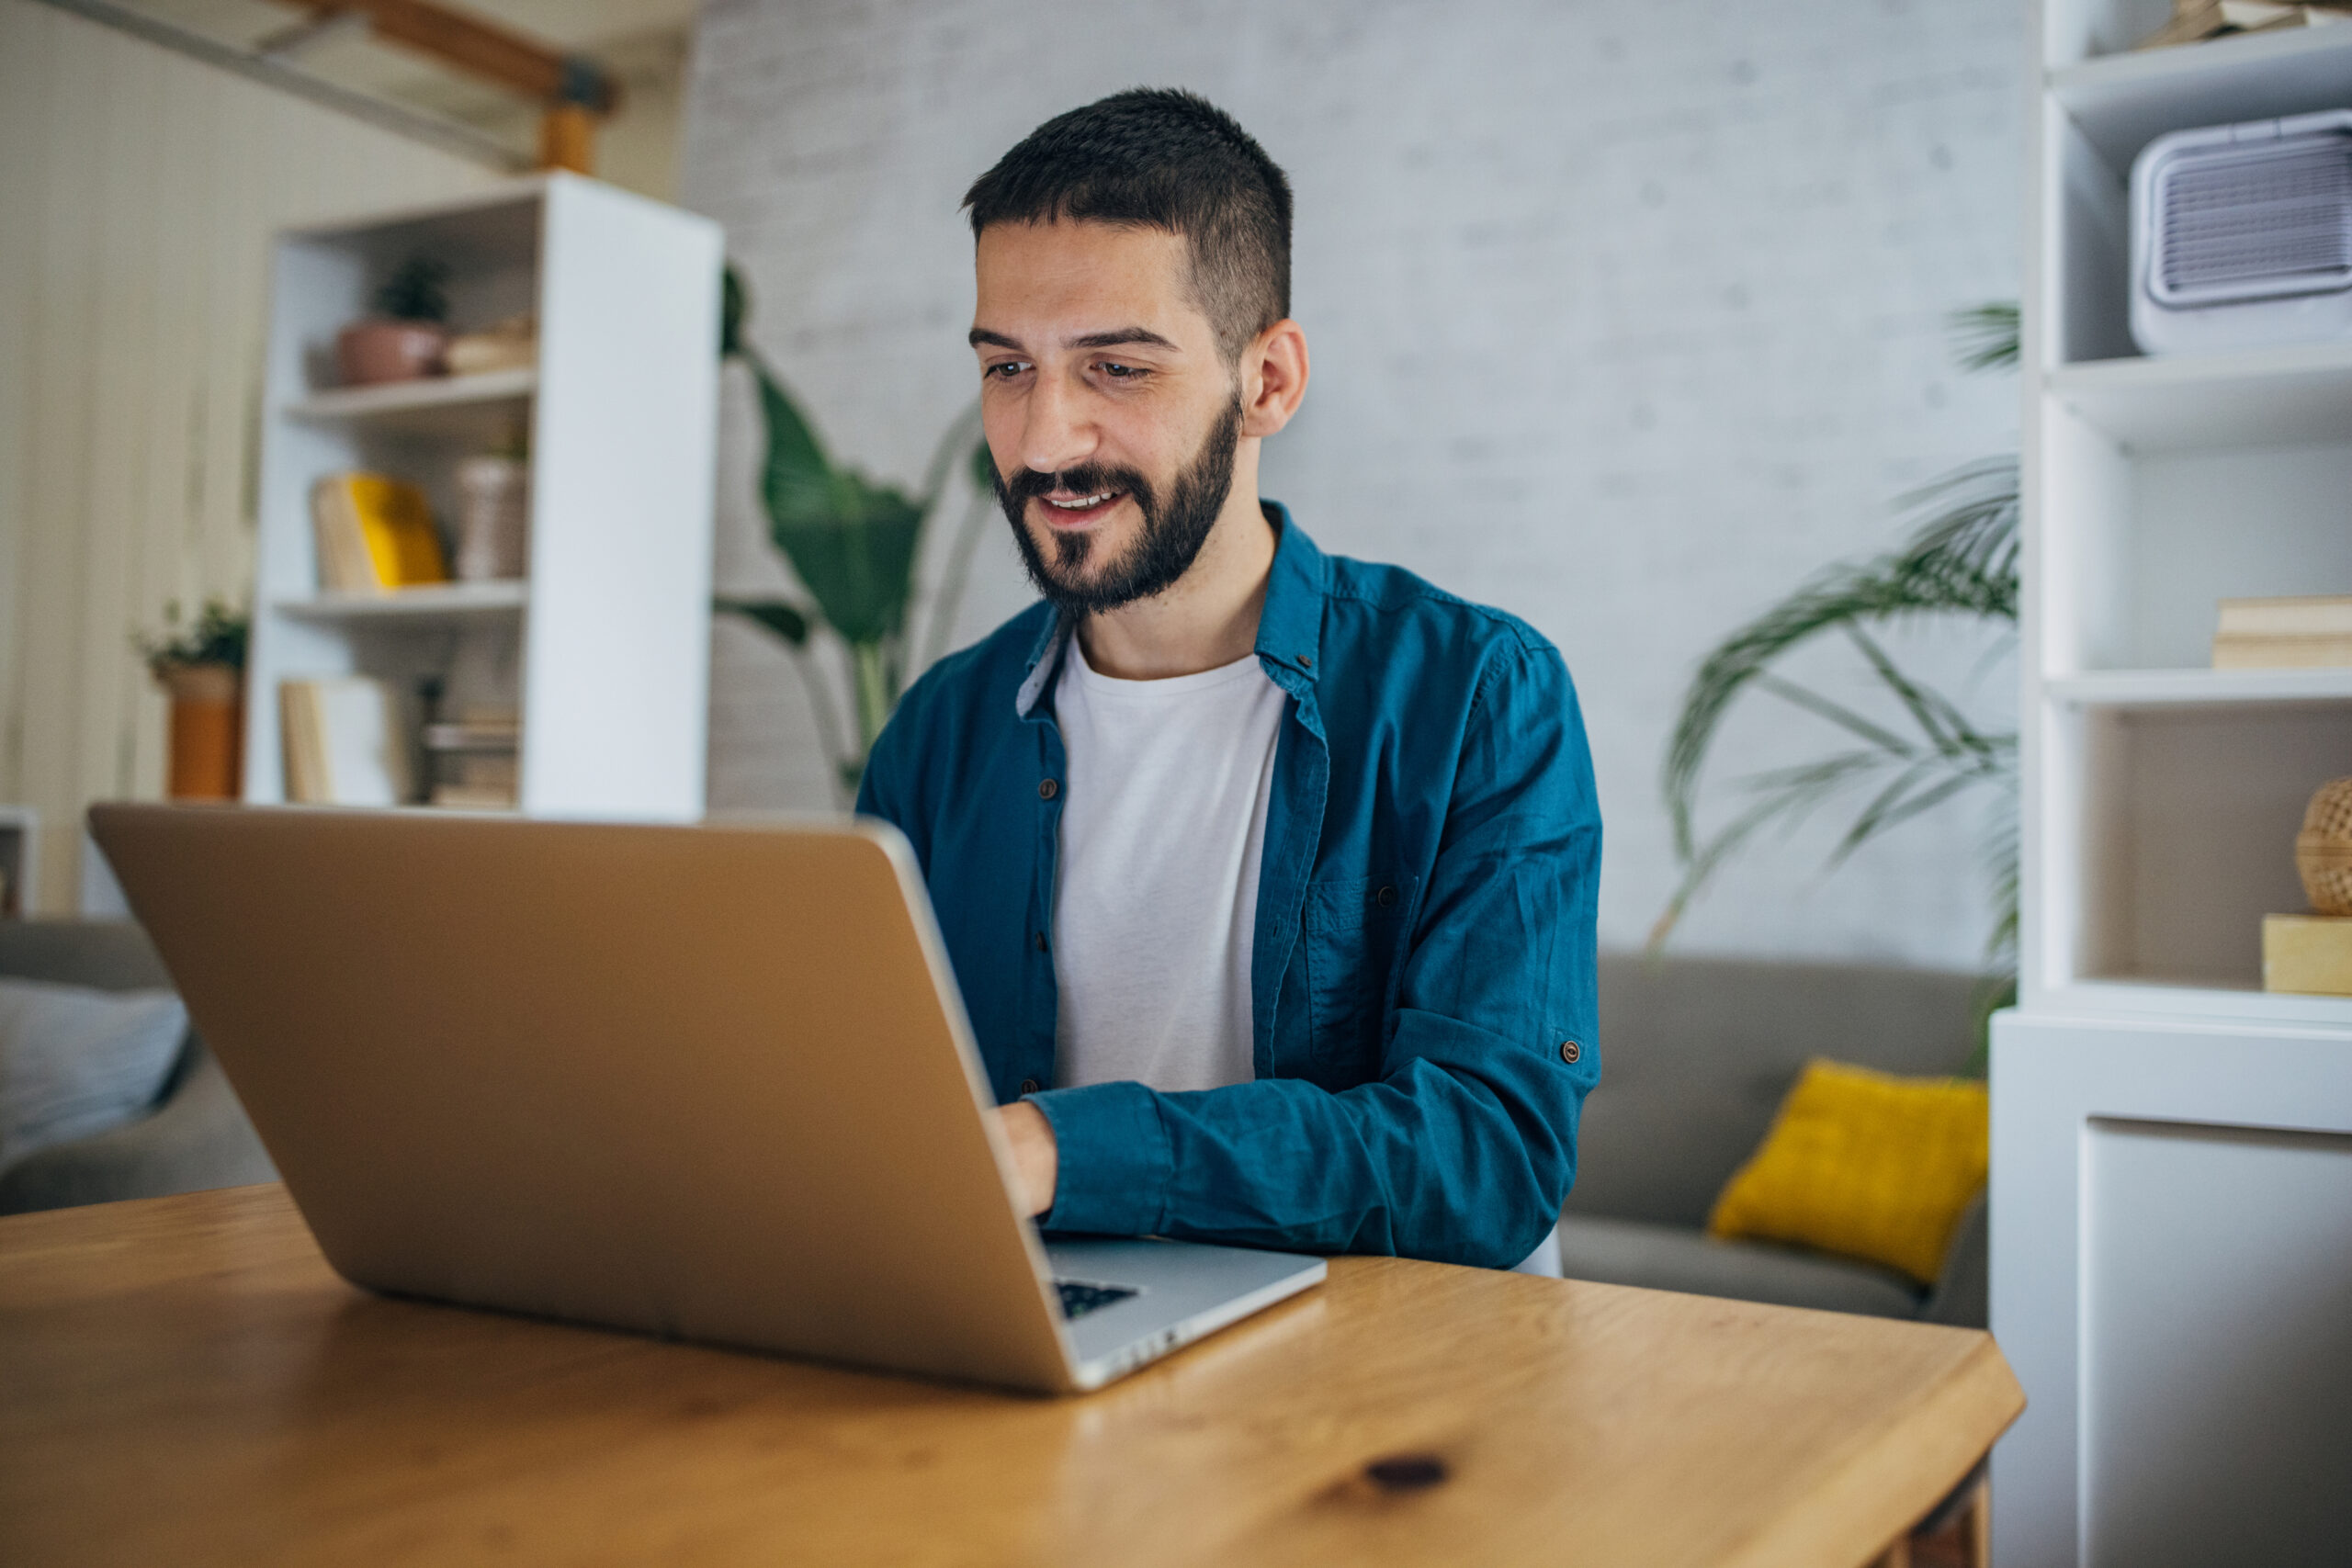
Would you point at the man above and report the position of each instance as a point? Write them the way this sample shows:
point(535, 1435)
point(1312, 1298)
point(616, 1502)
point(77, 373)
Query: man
point(1269, 876)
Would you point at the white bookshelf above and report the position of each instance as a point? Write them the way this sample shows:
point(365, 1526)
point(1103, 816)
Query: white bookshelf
point(2160, 802)
point(603, 645)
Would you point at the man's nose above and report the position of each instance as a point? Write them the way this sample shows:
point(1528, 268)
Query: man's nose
point(1057, 432)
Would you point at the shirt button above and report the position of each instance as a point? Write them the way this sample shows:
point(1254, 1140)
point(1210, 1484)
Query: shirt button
point(1570, 1051)
point(1385, 898)
point(1047, 789)
point(1030, 1086)
point(1041, 941)
point(1304, 662)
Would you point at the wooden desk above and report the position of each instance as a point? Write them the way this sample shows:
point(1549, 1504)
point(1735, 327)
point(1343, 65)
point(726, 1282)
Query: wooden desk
point(183, 1381)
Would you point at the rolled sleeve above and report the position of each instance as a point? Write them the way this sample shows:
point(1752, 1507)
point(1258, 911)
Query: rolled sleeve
point(1114, 1159)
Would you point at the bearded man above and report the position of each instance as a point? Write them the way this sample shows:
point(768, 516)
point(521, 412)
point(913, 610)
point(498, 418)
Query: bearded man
point(1269, 876)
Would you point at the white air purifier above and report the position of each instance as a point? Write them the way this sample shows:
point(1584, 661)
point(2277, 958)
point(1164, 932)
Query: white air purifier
point(2241, 235)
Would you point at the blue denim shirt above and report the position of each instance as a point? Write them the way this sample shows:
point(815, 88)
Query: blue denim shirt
point(1423, 974)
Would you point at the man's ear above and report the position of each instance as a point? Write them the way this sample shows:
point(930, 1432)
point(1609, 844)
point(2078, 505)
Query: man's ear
point(1274, 377)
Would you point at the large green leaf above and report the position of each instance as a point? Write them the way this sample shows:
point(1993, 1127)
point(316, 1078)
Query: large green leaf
point(779, 615)
point(734, 306)
point(852, 542)
point(856, 554)
point(797, 482)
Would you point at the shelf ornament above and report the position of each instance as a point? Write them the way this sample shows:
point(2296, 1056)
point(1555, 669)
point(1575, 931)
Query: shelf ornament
point(2324, 849)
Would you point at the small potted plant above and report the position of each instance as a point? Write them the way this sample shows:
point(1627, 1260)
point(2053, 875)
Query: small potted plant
point(202, 668)
point(405, 338)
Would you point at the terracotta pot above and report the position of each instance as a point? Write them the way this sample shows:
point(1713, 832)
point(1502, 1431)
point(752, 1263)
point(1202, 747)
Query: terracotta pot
point(207, 730)
point(377, 349)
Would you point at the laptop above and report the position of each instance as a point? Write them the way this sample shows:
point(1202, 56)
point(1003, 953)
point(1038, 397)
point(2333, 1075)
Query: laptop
point(712, 1083)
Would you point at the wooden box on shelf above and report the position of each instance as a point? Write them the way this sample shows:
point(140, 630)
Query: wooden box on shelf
point(2308, 954)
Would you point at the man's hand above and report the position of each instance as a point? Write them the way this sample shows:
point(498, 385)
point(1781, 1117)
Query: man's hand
point(1036, 1158)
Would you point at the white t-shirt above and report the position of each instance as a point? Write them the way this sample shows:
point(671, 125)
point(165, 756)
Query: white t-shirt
point(1156, 887)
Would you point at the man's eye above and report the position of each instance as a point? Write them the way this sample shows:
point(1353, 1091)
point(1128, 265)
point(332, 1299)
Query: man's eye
point(1007, 370)
point(1118, 372)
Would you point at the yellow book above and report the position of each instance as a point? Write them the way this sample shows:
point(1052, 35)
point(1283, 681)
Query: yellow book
point(375, 532)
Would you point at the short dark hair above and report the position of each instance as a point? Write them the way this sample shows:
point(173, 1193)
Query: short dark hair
point(1160, 158)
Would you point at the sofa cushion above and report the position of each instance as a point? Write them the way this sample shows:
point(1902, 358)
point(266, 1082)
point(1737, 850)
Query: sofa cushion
point(1675, 1257)
point(1864, 1165)
point(75, 1061)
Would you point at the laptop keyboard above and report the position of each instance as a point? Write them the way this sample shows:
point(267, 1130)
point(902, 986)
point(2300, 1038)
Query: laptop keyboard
point(1080, 1298)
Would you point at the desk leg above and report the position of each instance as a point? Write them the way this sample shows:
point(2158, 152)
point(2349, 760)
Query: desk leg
point(1976, 1529)
point(1959, 1534)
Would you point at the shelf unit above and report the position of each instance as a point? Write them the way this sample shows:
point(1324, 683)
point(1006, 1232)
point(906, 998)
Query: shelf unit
point(2160, 802)
point(603, 648)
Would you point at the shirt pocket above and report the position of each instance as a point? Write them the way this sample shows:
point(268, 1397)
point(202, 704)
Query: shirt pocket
point(1355, 933)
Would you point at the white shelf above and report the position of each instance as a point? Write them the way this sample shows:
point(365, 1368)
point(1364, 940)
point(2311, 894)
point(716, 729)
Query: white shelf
point(437, 602)
point(2199, 688)
point(2159, 803)
point(453, 403)
point(2186, 999)
point(625, 292)
point(2123, 102)
point(2267, 397)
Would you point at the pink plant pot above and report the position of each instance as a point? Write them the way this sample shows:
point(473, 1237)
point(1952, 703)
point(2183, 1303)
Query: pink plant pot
point(377, 349)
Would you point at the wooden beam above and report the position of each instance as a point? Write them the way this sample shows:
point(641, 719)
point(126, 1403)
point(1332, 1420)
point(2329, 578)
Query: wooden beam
point(483, 50)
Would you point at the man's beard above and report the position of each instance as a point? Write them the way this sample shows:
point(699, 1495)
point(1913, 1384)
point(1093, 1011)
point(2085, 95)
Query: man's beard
point(1165, 548)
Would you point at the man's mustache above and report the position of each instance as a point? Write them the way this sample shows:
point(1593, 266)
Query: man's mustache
point(1091, 478)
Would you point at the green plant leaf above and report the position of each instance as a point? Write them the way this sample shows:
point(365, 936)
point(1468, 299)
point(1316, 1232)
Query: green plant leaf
point(1962, 561)
point(734, 308)
point(983, 469)
point(783, 618)
point(1987, 336)
point(856, 554)
point(796, 479)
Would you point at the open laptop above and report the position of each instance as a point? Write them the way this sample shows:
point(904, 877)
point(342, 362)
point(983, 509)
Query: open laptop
point(713, 1083)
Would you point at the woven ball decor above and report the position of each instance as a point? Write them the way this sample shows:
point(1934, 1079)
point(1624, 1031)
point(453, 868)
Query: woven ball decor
point(2324, 849)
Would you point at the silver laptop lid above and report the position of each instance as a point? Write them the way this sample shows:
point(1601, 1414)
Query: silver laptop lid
point(463, 1042)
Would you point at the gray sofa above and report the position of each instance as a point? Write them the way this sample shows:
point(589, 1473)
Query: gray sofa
point(197, 1136)
point(1696, 1055)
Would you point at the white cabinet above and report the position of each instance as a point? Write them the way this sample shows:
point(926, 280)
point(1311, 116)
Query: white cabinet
point(603, 647)
point(2172, 1147)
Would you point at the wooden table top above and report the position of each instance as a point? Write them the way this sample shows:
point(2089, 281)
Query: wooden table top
point(184, 1381)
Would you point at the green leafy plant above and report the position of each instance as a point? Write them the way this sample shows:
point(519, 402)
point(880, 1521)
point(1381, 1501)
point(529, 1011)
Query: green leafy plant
point(1961, 559)
point(416, 292)
point(217, 636)
point(855, 544)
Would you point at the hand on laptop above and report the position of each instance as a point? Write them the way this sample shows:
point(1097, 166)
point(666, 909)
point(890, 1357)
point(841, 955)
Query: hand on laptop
point(1036, 1158)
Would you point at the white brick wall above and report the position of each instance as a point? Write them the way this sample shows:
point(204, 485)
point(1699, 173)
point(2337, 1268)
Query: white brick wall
point(1623, 317)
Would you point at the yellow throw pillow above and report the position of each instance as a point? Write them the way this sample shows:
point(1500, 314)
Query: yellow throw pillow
point(1866, 1165)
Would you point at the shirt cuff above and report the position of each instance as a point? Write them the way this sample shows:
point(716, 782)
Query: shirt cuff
point(1115, 1164)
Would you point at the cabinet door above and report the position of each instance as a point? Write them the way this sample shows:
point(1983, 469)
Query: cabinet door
point(2172, 1213)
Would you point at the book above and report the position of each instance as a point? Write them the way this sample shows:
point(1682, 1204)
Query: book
point(374, 532)
point(2307, 955)
point(2193, 21)
point(344, 743)
point(2281, 652)
point(2324, 615)
point(2300, 633)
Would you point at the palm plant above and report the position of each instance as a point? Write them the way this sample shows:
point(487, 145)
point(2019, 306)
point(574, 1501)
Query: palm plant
point(854, 543)
point(1961, 559)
